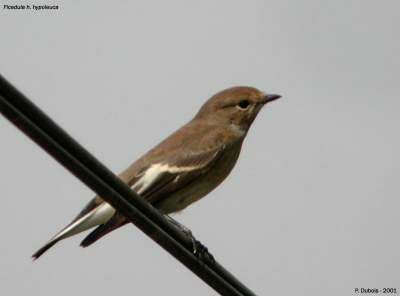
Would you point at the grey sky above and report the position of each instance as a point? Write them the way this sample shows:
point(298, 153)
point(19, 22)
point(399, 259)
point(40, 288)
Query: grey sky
point(312, 206)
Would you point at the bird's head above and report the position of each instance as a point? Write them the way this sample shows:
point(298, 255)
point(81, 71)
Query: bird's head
point(236, 106)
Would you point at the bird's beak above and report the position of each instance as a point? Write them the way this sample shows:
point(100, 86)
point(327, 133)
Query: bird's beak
point(270, 98)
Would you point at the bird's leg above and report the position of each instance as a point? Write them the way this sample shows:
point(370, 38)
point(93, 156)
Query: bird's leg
point(199, 249)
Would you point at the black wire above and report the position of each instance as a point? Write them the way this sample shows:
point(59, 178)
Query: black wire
point(62, 147)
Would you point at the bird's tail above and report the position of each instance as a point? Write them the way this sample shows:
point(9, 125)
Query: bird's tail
point(96, 216)
point(115, 222)
point(43, 249)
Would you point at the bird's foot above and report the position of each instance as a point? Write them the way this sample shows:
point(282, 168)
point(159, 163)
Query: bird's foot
point(201, 251)
point(198, 249)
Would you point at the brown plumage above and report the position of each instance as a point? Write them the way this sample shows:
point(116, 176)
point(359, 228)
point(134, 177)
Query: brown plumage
point(184, 167)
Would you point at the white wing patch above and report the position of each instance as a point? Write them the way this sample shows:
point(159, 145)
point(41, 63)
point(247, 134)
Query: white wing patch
point(148, 177)
point(152, 173)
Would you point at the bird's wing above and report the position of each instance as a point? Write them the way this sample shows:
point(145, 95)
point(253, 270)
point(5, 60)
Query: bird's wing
point(162, 178)
point(180, 158)
point(157, 180)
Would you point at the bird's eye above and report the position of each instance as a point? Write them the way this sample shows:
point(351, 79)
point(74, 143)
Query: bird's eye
point(244, 104)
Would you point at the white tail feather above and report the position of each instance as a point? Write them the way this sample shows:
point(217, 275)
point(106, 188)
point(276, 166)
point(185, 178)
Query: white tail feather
point(97, 216)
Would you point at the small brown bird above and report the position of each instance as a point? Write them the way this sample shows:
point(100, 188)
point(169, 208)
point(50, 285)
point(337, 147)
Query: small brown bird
point(184, 167)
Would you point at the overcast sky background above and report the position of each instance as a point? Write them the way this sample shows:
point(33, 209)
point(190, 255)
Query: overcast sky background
point(312, 207)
